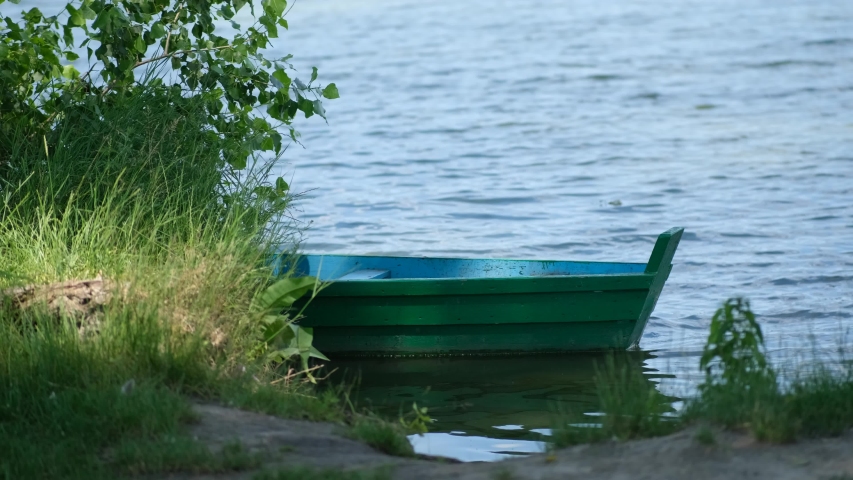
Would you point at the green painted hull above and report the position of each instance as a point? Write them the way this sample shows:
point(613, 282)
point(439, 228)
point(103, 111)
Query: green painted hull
point(482, 316)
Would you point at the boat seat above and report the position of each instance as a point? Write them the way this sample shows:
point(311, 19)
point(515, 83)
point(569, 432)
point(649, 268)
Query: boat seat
point(366, 274)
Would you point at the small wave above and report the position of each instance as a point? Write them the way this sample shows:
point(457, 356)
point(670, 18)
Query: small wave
point(604, 77)
point(789, 63)
point(490, 201)
point(491, 216)
point(828, 41)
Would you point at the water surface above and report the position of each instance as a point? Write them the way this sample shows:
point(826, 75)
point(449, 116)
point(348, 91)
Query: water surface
point(569, 129)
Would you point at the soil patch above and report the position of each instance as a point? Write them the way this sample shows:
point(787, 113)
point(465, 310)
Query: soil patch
point(82, 300)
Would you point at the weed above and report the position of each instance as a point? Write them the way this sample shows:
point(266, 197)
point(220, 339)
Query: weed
point(383, 436)
point(742, 390)
point(705, 436)
point(180, 454)
point(631, 407)
point(314, 474)
point(503, 474)
point(417, 421)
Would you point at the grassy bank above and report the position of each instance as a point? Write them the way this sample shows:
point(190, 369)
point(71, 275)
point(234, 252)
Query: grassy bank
point(741, 391)
point(97, 380)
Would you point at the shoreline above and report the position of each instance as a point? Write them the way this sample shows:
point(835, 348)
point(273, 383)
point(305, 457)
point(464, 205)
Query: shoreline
point(286, 445)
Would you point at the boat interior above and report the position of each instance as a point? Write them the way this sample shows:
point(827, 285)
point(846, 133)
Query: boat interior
point(352, 267)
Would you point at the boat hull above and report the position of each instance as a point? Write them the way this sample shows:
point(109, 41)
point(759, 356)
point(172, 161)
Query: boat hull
point(485, 316)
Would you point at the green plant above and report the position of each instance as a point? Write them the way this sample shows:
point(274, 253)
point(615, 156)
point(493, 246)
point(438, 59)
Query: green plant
point(417, 420)
point(303, 473)
point(503, 474)
point(179, 454)
point(734, 351)
point(705, 436)
point(739, 384)
point(383, 436)
point(630, 407)
point(281, 337)
point(170, 46)
point(742, 390)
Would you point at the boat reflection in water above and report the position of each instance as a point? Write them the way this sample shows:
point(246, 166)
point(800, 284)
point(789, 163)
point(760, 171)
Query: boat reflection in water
point(485, 408)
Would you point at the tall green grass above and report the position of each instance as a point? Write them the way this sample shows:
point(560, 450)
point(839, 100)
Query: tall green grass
point(136, 192)
point(741, 391)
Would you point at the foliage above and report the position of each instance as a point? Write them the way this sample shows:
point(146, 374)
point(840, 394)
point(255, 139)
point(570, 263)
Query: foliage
point(169, 49)
point(180, 454)
point(179, 324)
point(736, 369)
point(280, 336)
point(705, 436)
point(630, 406)
point(383, 436)
point(303, 473)
point(734, 351)
point(417, 420)
point(742, 390)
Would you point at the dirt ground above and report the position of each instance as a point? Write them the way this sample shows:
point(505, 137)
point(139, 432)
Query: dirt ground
point(285, 443)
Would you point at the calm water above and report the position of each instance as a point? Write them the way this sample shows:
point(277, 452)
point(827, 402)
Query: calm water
point(563, 129)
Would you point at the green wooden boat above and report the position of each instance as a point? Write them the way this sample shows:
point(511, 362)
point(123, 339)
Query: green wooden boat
point(449, 306)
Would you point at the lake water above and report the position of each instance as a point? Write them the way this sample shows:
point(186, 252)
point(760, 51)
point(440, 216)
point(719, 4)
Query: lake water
point(561, 129)
point(568, 129)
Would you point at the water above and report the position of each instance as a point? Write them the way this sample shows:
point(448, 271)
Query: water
point(569, 129)
point(562, 129)
point(485, 408)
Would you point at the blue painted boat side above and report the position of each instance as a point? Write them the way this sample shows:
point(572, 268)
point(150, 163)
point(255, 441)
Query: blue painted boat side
point(332, 267)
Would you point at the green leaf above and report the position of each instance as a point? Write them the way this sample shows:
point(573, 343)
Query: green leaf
point(67, 35)
point(237, 159)
point(282, 79)
point(69, 71)
point(331, 91)
point(238, 4)
point(76, 16)
point(176, 63)
point(318, 108)
point(313, 74)
point(306, 106)
point(275, 7)
point(71, 56)
point(87, 12)
point(281, 185)
point(284, 292)
point(139, 44)
point(158, 30)
point(269, 22)
point(102, 20)
point(316, 354)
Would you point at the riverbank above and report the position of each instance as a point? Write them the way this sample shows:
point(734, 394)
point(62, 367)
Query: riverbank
point(295, 449)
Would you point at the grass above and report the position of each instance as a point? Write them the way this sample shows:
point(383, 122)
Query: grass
point(741, 392)
point(816, 403)
point(631, 408)
point(134, 194)
point(315, 474)
point(705, 436)
point(180, 454)
point(386, 437)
